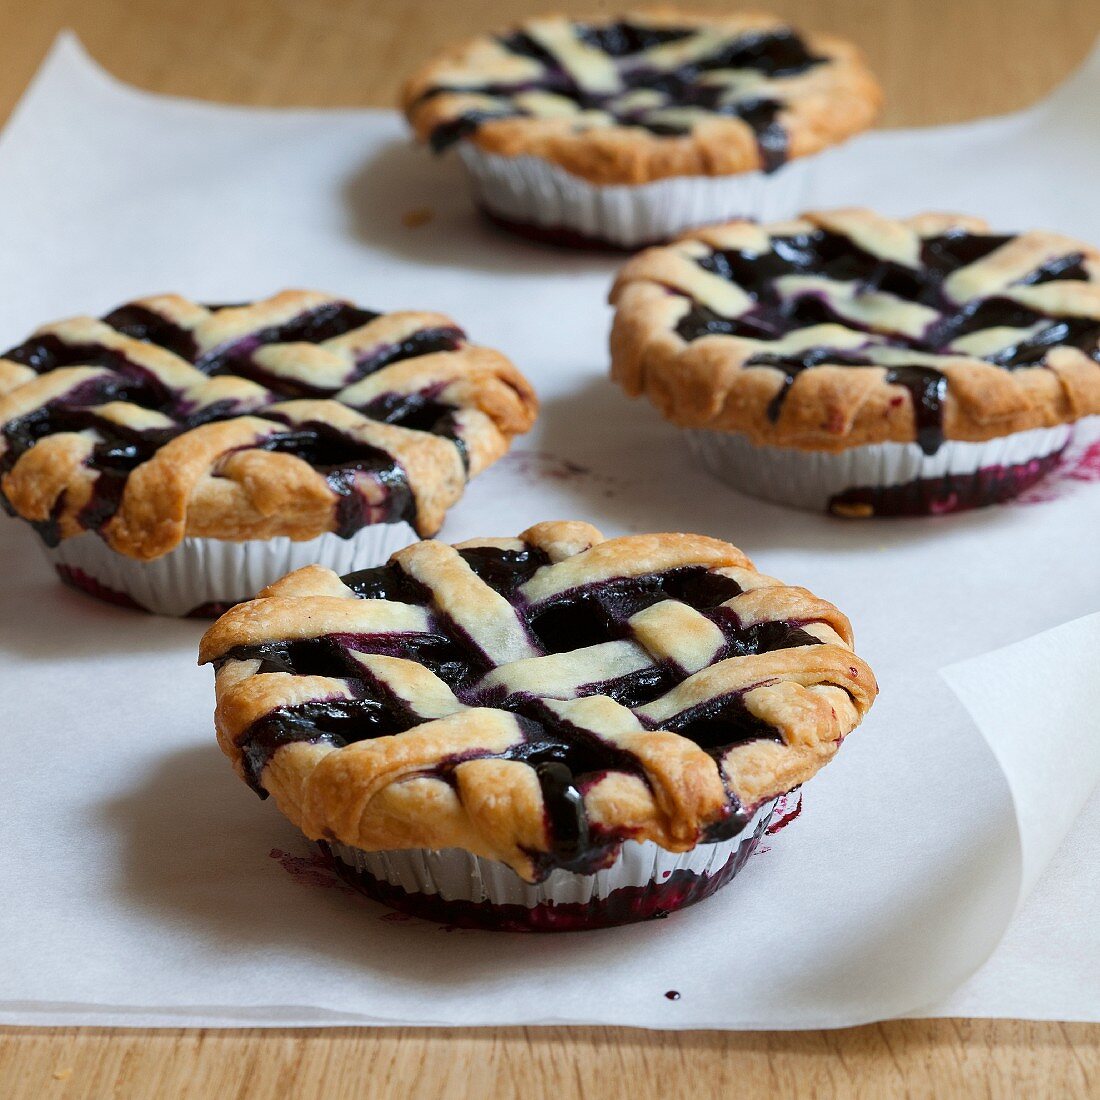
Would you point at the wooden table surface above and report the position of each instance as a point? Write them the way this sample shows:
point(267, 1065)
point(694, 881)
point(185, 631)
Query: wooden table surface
point(940, 60)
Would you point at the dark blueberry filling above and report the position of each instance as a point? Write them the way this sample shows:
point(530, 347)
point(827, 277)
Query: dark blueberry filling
point(384, 582)
point(409, 410)
point(762, 115)
point(573, 620)
point(1077, 332)
point(771, 54)
point(765, 637)
point(140, 323)
point(299, 656)
point(836, 257)
point(47, 353)
point(566, 758)
point(568, 821)
point(330, 656)
point(581, 622)
point(119, 451)
point(702, 321)
point(341, 459)
point(1069, 268)
point(975, 316)
point(521, 43)
point(313, 326)
point(337, 722)
point(927, 387)
point(622, 39)
point(504, 570)
point(698, 587)
point(454, 130)
point(352, 511)
point(717, 725)
point(130, 382)
point(956, 249)
point(424, 342)
point(49, 531)
point(638, 688)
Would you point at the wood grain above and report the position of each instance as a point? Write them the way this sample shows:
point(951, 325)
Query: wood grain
point(940, 60)
point(919, 1058)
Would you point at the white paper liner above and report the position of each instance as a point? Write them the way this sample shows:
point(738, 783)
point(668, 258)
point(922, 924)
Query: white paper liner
point(200, 572)
point(457, 875)
point(536, 192)
point(811, 479)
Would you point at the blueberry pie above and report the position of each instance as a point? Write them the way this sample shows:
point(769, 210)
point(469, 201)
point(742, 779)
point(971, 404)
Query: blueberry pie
point(551, 732)
point(630, 130)
point(865, 366)
point(172, 454)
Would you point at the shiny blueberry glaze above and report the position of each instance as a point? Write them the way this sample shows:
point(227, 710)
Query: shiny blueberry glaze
point(838, 258)
point(141, 323)
point(342, 460)
point(335, 721)
point(566, 758)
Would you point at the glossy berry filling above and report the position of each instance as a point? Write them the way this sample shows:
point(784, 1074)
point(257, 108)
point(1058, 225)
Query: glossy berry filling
point(835, 257)
point(566, 759)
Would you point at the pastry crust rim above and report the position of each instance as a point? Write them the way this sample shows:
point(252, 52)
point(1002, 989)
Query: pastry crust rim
point(315, 804)
point(279, 495)
point(704, 384)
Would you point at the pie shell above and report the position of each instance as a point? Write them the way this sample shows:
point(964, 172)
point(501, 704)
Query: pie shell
point(705, 383)
point(382, 794)
point(838, 101)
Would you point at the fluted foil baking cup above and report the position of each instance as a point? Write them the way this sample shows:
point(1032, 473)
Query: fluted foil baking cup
point(530, 191)
point(202, 575)
point(821, 482)
point(455, 875)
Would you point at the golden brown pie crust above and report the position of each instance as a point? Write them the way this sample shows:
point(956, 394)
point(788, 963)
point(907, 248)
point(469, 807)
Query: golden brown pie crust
point(706, 383)
point(822, 107)
point(213, 481)
point(402, 791)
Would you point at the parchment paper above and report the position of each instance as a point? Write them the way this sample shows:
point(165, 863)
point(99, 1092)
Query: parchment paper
point(940, 866)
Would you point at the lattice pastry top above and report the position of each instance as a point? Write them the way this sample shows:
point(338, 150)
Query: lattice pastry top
point(846, 328)
point(535, 700)
point(654, 94)
point(295, 415)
